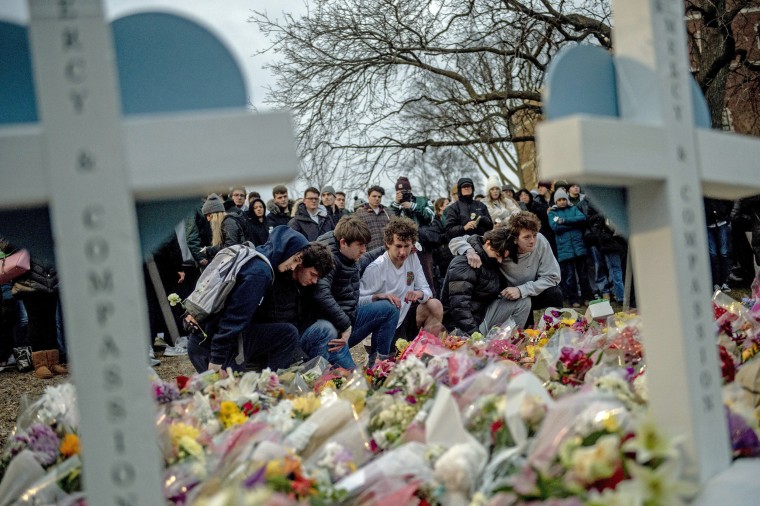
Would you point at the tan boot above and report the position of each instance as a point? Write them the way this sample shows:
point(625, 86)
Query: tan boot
point(39, 359)
point(53, 362)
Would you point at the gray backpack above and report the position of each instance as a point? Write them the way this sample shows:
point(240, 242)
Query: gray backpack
point(218, 279)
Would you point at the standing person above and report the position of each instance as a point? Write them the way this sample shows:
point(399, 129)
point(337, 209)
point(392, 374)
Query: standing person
point(420, 211)
point(397, 277)
point(375, 215)
point(311, 219)
point(328, 201)
point(612, 248)
point(500, 208)
point(541, 204)
point(534, 275)
point(470, 296)
point(718, 220)
point(38, 290)
point(440, 247)
point(238, 197)
point(257, 222)
point(568, 223)
point(340, 201)
point(338, 324)
point(231, 338)
point(280, 207)
point(467, 216)
point(525, 200)
point(227, 228)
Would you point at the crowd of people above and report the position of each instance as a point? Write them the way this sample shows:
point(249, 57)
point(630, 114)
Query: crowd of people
point(327, 278)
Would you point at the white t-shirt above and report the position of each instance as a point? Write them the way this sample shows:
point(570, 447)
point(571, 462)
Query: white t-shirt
point(381, 276)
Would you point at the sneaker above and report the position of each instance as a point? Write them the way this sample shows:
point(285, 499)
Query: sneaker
point(725, 288)
point(181, 342)
point(175, 351)
point(716, 288)
point(151, 354)
point(153, 362)
point(159, 342)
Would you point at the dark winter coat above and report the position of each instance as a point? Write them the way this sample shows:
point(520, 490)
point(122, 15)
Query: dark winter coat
point(717, 211)
point(251, 283)
point(541, 209)
point(303, 223)
point(38, 279)
point(420, 212)
point(277, 216)
point(568, 224)
point(256, 231)
point(463, 211)
point(599, 234)
point(468, 292)
point(337, 293)
point(286, 302)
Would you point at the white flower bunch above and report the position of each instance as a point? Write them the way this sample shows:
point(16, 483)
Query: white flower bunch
point(412, 376)
point(281, 416)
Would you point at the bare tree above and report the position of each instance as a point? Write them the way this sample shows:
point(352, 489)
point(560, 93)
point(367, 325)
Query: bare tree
point(723, 40)
point(355, 74)
point(374, 84)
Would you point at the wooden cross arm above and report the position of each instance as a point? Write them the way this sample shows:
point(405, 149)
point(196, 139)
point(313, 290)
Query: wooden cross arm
point(611, 152)
point(177, 155)
point(603, 151)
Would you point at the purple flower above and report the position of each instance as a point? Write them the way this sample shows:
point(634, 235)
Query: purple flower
point(256, 478)
point(165, 392)
point(44, 443)
point(743, 439)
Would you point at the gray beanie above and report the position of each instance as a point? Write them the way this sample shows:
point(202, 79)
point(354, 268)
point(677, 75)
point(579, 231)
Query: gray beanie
point(213, 204)
point(328, 189)
point(560, 194)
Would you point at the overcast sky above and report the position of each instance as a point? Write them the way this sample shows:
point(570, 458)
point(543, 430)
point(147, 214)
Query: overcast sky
point(227, 19)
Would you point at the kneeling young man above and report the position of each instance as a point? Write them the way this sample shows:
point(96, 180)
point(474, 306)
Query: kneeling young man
point(534, 274)
point(470, 296)
point(397, 277)
point(231, 337)
point(338, 324)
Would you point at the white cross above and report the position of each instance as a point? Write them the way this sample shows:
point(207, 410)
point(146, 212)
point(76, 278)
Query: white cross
point(655, 151)
point(90, 164)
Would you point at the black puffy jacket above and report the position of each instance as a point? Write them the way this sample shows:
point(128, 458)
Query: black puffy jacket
point(467, 292)
point(337, 293)
point(461, 212)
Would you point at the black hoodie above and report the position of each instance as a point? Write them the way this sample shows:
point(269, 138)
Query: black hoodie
point(465, 210)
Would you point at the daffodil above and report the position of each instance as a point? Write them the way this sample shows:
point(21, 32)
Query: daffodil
point(179, 430)
point(306, 404)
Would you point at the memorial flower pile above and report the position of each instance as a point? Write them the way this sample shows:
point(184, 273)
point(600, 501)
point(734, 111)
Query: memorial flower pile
point(552, 415)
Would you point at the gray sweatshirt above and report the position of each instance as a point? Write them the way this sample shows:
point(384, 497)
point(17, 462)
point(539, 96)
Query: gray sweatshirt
point(534, 271)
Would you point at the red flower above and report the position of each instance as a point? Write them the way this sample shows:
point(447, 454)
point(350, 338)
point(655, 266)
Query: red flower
point(611, 481)
point(250, 409)
point(181, 381)
point(727, 367)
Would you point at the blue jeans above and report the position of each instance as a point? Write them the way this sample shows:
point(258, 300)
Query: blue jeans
point(718, 245)
point(275, 343)
point(615, 268)
point(377, 318)
point(598, 274)
point(570, 281)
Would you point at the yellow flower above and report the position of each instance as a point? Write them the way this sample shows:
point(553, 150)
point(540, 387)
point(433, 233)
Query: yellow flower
point(227, 408)
point(401, 345)
point(70, 445)
point(598, 461)
point(190, 446)
point(610, 422)
point(532, 333)
point(568, 321)
point(306, 404)
point(356, 397)
point(179, 430)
